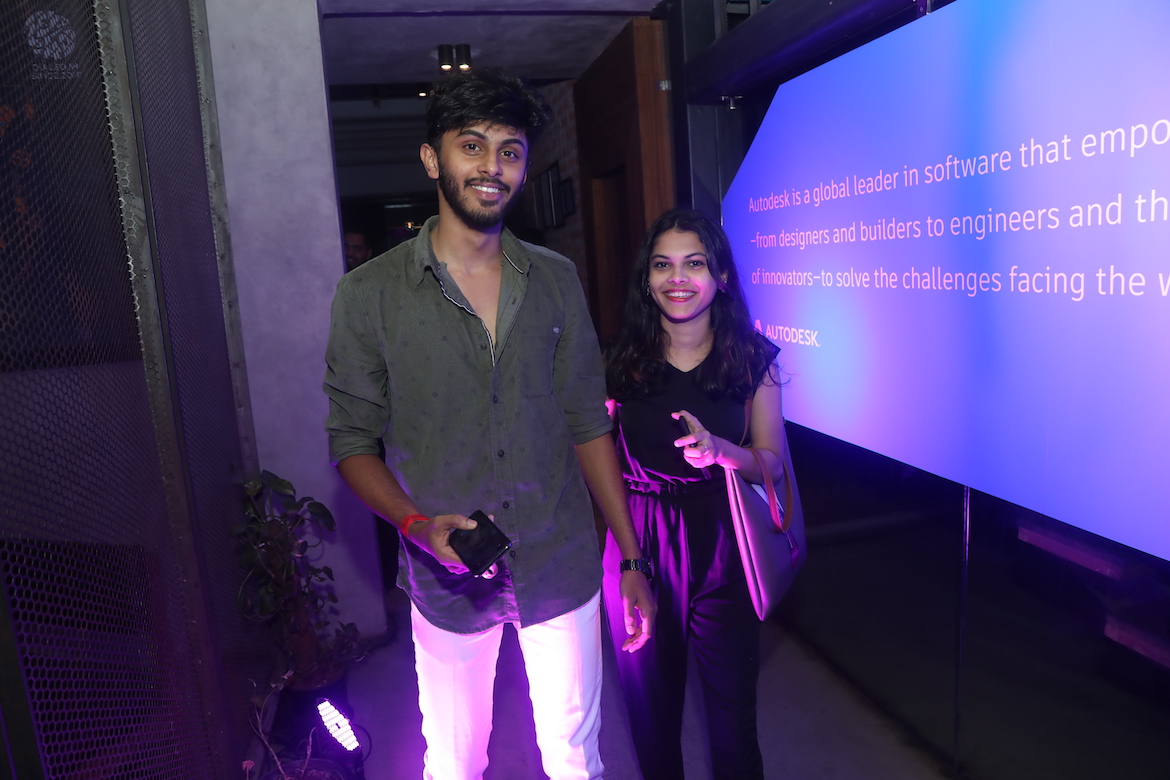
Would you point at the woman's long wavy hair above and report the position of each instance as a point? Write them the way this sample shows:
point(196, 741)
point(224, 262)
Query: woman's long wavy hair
point(636, 361)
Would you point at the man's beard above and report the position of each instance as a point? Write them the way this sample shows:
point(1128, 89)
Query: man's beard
point(460, 199)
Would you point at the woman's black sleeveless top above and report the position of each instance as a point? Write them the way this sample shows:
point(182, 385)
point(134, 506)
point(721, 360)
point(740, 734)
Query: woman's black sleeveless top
point(647, 431)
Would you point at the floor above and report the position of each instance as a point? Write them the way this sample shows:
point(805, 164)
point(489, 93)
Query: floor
point(813, 725)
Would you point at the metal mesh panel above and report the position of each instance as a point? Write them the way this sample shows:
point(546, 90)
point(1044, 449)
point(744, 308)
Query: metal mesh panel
point(95, 666)
point(88, 574)
point(116, 475)
point(169, 102)
point(57, 199)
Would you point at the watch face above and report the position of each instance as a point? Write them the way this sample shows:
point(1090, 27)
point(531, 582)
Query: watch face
point(50, 35)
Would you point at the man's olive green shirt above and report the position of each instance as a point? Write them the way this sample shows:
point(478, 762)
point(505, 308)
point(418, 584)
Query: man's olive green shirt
point(471, 425)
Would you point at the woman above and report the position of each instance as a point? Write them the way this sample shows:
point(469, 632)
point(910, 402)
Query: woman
point(686, 361)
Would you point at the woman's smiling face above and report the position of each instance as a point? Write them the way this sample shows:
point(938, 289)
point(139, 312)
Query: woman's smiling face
point(680, 280)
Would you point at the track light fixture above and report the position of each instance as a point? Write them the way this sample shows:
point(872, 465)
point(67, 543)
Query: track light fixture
point(451, 57)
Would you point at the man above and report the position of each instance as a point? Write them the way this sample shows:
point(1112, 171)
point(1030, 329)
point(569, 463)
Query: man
point(474, 354)
point(357, 249)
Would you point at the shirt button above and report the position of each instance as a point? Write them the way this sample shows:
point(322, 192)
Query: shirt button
point(506, 505)
point(495, 399)
point(483, 347)
point(500, 453)
point(512, 553)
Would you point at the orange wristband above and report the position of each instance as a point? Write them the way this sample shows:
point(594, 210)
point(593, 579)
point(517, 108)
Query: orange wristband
point(410, 520)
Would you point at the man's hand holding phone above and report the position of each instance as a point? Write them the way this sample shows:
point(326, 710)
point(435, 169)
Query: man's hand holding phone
point(434, 537)
point(480, 547)
point(462, 544)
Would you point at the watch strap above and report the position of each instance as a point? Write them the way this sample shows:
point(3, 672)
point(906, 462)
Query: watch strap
point(637, 564)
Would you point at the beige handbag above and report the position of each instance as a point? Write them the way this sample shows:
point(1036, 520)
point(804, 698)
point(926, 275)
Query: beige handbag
point(770, 535)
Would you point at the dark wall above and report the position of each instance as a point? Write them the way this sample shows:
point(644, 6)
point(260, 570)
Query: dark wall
point(625, 146)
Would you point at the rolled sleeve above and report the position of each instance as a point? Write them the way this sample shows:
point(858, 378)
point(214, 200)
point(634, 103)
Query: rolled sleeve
point(355, 377)
point(578, 373)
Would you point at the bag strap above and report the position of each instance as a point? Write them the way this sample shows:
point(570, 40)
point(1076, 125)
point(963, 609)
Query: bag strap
point(747, 410)
point(780, 518)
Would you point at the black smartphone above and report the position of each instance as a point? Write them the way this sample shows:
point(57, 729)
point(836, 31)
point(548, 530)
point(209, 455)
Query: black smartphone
point(684, 429)
point(480, 547)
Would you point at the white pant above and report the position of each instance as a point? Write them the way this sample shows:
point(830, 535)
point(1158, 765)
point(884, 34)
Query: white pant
point(456, 675)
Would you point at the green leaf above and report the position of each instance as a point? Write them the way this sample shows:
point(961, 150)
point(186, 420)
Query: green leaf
point(284, 588)
point(322, 515)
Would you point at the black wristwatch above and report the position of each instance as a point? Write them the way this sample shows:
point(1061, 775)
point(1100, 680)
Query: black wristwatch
point(637, 564)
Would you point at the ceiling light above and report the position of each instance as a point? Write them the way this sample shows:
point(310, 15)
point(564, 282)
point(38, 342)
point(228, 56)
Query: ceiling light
point(463, 56)
point(424, 91)
point(446, 56)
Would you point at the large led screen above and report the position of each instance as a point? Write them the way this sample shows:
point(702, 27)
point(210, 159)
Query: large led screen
point(959, 234)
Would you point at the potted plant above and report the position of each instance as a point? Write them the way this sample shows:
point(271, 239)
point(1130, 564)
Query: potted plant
point(286, 589)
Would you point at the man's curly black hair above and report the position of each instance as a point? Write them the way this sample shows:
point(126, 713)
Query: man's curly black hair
point(486, 95)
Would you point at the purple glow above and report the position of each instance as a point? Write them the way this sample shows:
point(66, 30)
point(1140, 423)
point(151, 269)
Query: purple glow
point(957, 233)
point(338, 725)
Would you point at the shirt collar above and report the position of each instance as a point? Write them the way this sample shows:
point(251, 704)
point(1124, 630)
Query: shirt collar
point(424, 257)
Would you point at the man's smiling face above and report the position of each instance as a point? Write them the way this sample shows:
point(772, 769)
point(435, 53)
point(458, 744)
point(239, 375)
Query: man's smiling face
point(481, 170)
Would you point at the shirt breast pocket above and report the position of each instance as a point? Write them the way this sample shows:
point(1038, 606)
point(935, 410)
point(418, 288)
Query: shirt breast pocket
point(539, 360)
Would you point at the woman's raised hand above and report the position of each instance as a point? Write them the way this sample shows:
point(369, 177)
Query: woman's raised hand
point(700, 447)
